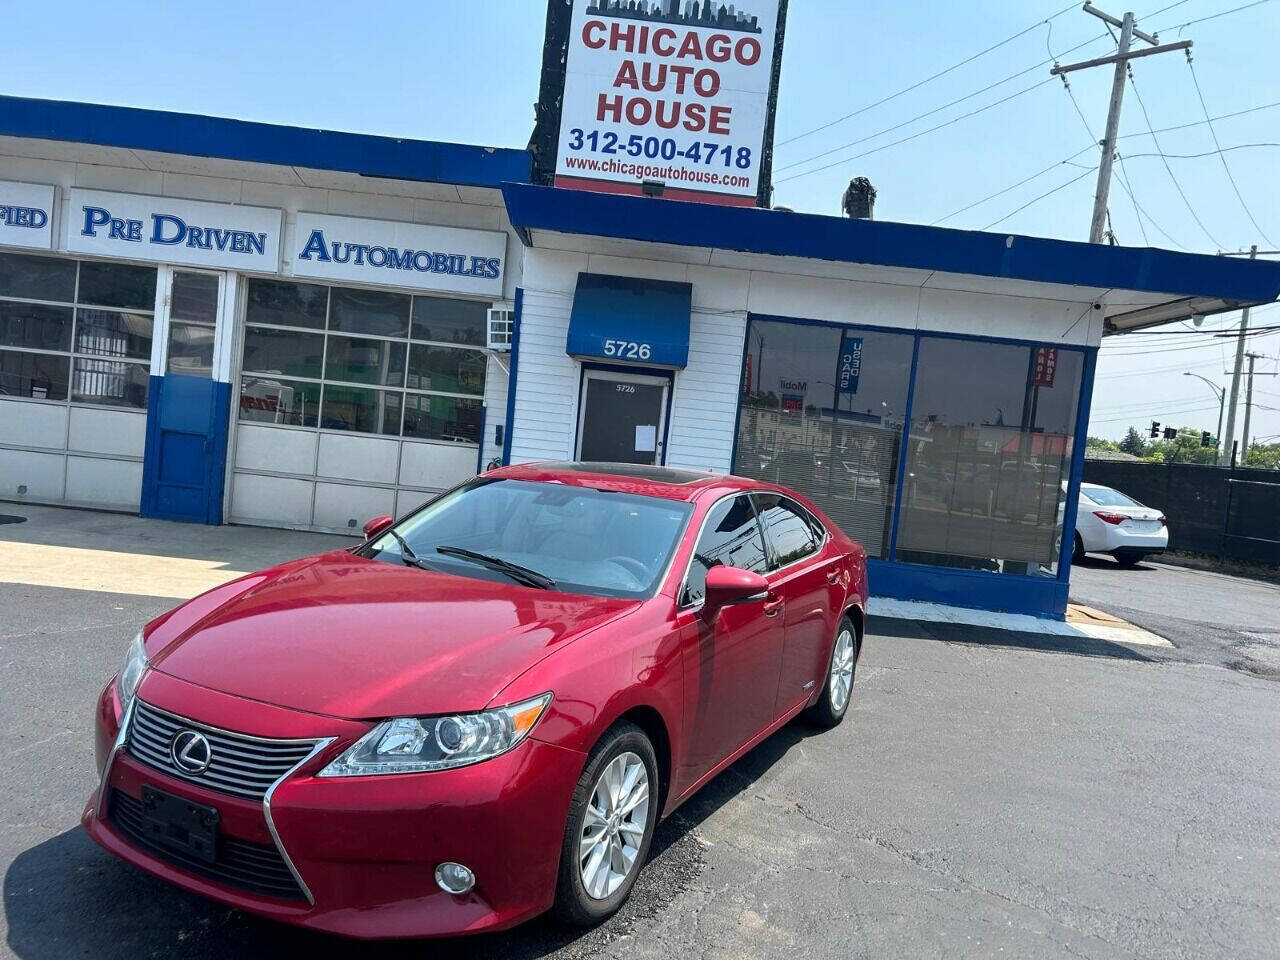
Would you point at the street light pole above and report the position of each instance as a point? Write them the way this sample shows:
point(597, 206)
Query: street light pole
point(1221, 394)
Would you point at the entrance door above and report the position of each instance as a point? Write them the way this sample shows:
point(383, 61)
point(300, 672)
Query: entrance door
point(187, 421)
point(622, 417)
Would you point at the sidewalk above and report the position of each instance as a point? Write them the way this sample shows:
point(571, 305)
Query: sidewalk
point(118, 553)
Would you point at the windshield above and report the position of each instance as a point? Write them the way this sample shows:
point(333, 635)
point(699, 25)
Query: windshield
point(586, 540)
point(1106, 497)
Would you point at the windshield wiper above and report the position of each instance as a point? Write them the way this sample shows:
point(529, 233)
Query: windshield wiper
point(516, 572)
point(407, 556)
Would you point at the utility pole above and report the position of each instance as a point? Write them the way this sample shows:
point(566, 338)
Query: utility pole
point(1128, 30)
point(1235, 377)
point(1248, 408)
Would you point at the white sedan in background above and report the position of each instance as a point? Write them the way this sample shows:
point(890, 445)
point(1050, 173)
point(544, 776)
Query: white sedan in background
point(1107, 521)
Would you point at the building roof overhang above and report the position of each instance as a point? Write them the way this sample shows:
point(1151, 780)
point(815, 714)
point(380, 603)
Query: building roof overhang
point(1135, 287)
point(132, 128)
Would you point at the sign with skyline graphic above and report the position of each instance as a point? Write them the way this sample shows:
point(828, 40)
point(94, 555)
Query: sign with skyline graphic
point(672, 92)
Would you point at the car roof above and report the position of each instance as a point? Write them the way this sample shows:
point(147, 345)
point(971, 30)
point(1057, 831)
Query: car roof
point(650, 481)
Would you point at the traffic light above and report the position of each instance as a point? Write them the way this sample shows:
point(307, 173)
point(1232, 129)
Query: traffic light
point(1206, 439)
point(1171, 433)
point(1155, 429)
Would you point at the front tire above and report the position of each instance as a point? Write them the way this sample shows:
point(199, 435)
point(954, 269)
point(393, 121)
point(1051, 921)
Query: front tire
point(612, 816)
point(837, 687)
point(1077, 551)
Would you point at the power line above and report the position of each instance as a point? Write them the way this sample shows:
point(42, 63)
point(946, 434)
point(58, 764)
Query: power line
point(914, 136)
point(1135, 416)
point(1156, 140)
point(1049, 193)
point(1000, 193)
point(1212, 16)
point(920, 83)
point(1223, 157)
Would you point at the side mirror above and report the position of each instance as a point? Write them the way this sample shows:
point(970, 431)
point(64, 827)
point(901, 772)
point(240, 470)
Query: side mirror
point(727, 586)
point(376, 526)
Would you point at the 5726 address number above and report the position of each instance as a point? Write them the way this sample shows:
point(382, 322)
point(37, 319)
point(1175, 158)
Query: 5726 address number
point(627, 350)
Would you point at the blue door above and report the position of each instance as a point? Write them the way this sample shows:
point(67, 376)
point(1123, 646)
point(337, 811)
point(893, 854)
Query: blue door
point(188, 407)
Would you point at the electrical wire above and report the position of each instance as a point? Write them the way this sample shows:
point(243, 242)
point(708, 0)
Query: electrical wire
point(1156, 140)
point(1049, 193)
point(1213, 16)
point(920, 83)
point(918, 134)
point(1223, 157)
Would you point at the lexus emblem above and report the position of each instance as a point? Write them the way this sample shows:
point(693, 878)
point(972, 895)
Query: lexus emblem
point(190, 751)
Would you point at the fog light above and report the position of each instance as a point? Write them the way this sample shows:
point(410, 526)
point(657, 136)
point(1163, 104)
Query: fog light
point(455, 878)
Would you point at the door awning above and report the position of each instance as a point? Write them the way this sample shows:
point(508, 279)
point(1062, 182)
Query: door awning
point(630, 321)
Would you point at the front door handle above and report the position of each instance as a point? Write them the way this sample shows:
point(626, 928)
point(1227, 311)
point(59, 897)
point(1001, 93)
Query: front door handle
point(773, 604)
point(833, 575)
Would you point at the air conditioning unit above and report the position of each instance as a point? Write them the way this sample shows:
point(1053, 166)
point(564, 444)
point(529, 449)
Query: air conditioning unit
point(502, 322)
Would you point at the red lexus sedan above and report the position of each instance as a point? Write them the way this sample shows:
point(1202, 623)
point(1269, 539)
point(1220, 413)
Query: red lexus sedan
point(482, 711)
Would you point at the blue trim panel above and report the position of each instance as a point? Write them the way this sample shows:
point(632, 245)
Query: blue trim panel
point(1036, 596)
point(185, 461)
point(511, 377)
point(909, 245)
point(252, 142)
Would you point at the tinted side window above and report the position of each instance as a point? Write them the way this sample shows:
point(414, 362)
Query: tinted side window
point(730, 537)
point(789, 528)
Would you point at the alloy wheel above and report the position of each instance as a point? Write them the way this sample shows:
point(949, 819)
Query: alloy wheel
point(841, 671)
point(614, 826)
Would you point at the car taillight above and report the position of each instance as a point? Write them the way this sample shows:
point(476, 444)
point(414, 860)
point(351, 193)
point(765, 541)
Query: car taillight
point(1116, 518)
point(1164, 521)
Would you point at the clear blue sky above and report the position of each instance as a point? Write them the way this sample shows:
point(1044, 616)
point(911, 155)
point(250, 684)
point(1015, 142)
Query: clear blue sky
point(469, 72)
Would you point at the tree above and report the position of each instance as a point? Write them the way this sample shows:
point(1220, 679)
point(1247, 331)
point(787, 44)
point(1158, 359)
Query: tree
point(1133, 443)
point(1265, 456)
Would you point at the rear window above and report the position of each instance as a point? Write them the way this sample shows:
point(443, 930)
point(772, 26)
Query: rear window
point(1106, 497)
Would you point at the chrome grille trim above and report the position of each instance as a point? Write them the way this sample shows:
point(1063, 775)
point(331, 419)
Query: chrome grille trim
point(252, 750)
point(241, 765)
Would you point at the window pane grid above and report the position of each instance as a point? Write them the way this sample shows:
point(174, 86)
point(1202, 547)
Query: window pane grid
point(107, 337)
point(370, 371)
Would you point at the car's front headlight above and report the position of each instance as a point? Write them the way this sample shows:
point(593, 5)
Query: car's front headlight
point(130, 675)
point(421, 744)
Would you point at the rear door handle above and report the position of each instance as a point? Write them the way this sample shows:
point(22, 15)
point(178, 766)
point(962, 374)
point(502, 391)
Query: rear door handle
point(833, 575)
point(773, 604)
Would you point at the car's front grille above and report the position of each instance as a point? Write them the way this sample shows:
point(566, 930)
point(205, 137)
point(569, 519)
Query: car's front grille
point(239, 863)
point(238, 764)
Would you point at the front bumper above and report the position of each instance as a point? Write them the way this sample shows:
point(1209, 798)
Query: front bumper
point(365, 847)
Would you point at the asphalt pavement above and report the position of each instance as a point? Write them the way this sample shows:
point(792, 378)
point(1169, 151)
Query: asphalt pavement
point(989, 793)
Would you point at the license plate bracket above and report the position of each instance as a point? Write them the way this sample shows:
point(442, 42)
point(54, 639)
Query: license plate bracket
point(180, 825)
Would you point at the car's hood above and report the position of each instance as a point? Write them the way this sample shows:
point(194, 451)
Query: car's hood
point(350, 637)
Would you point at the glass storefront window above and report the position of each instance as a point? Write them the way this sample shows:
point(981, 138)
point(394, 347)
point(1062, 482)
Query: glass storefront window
point(822, 413)
point(360, 369)
point(267, 400)
point(42, 376)
point(89, 341)
point(992, 434)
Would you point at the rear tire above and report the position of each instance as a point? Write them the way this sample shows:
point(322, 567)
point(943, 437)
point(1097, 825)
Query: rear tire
point(1129, 560)
point(1077, 551)
point(602, 833)
point(837, 686)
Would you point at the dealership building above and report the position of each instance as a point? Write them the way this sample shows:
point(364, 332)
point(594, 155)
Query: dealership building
point(216, 321)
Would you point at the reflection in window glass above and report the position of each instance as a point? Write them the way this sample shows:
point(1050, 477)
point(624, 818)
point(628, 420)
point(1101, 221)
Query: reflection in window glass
point(117, 285)
point(40, 376)
point(442, 418)
point(445, 368)
point(35, 325)
point(194, 296)
point(190, 349)
point(365, 411)
point(111, 382)
point(283, 351)
point(113, 334)
point(450, 321)
point(822, 413)
point(787, 527)
point(731, 538)
point(265, 400)
point(38, 278)
point(286, 304)
point(990, 446)
point(369, 311)
point(365, 361)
